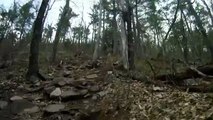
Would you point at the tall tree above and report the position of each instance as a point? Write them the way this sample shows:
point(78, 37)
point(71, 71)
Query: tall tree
point(126, 34)
point(33, 69)
point(95, 54)
point(127, 16)
point(138, 31)
point(199, 24)
point(184, 38)
point(115, 31)
point(122, 28)
point(61, 22)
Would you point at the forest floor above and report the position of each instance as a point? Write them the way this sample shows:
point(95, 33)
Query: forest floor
point(76, 89)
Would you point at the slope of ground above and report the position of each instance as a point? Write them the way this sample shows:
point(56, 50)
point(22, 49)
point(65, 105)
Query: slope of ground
point(77, 89)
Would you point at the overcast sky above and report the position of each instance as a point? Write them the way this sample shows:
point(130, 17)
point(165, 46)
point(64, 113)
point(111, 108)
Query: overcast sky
point(78, 6)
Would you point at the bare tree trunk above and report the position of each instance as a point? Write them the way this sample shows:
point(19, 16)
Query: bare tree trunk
point(93, 32)
point(96, 51)
point(33, 69)
point(201, 28)
point(138, 39)
point(58, 31)
point(124, 44)
point(104, 19)
point(135, 32)
point(136, 28)
point(184, 39)
point(114, 25)
point(130, 36)
point(123, 33)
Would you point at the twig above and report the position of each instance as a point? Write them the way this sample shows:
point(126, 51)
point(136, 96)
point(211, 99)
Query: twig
point(153, 71)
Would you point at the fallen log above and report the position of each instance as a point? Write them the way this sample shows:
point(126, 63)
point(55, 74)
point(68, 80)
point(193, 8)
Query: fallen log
point(190, 72)
point(200, 89)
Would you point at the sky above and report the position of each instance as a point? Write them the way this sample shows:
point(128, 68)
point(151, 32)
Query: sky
point(78, 6)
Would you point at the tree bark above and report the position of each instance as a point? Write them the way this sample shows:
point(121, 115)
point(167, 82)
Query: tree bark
point(96, 54)
point(124, 43)
point(126, 34)
point(33, 69)
point(130, 38)
point(123, 33)
point(184, 39)
point(138, 39)
point(114, 26)
point(58, 31)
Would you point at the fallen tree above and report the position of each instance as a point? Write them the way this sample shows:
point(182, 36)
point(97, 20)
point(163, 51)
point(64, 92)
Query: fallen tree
point(190, 72)
point(208, 88)
point(205, 72)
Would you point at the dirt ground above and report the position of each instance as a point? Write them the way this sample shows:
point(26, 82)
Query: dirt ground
point(77, 89)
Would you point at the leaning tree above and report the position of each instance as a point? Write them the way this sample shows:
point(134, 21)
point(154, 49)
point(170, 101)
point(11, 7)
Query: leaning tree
point(33, 69)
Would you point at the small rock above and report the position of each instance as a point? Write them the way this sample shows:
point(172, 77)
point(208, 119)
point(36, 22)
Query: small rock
point(84, 92)
point(62, 83)
point(54, 108)
point(68, 80)
point(55, 93)
point(92, 76)
point(19, 106)
point(3, 104)
point(156, 88)
point(38, 84)
point(84, 83)
point(86, 102)
point(94, 97)
point(109, 72)
point(57, 79)
point(102, 93)
point(73, 94)
point(42, 104)
point(70, 93)
point(94, 89)
point(67, 73)
point(15, 98)
point(20, 87)
point(49, 89)
point(159, 95)
point(82, 67)
point(34, 109)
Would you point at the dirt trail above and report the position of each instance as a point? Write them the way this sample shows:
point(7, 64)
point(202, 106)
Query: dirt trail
point(73, 90)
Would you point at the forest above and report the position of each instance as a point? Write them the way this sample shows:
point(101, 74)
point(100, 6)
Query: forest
point(131, 60)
